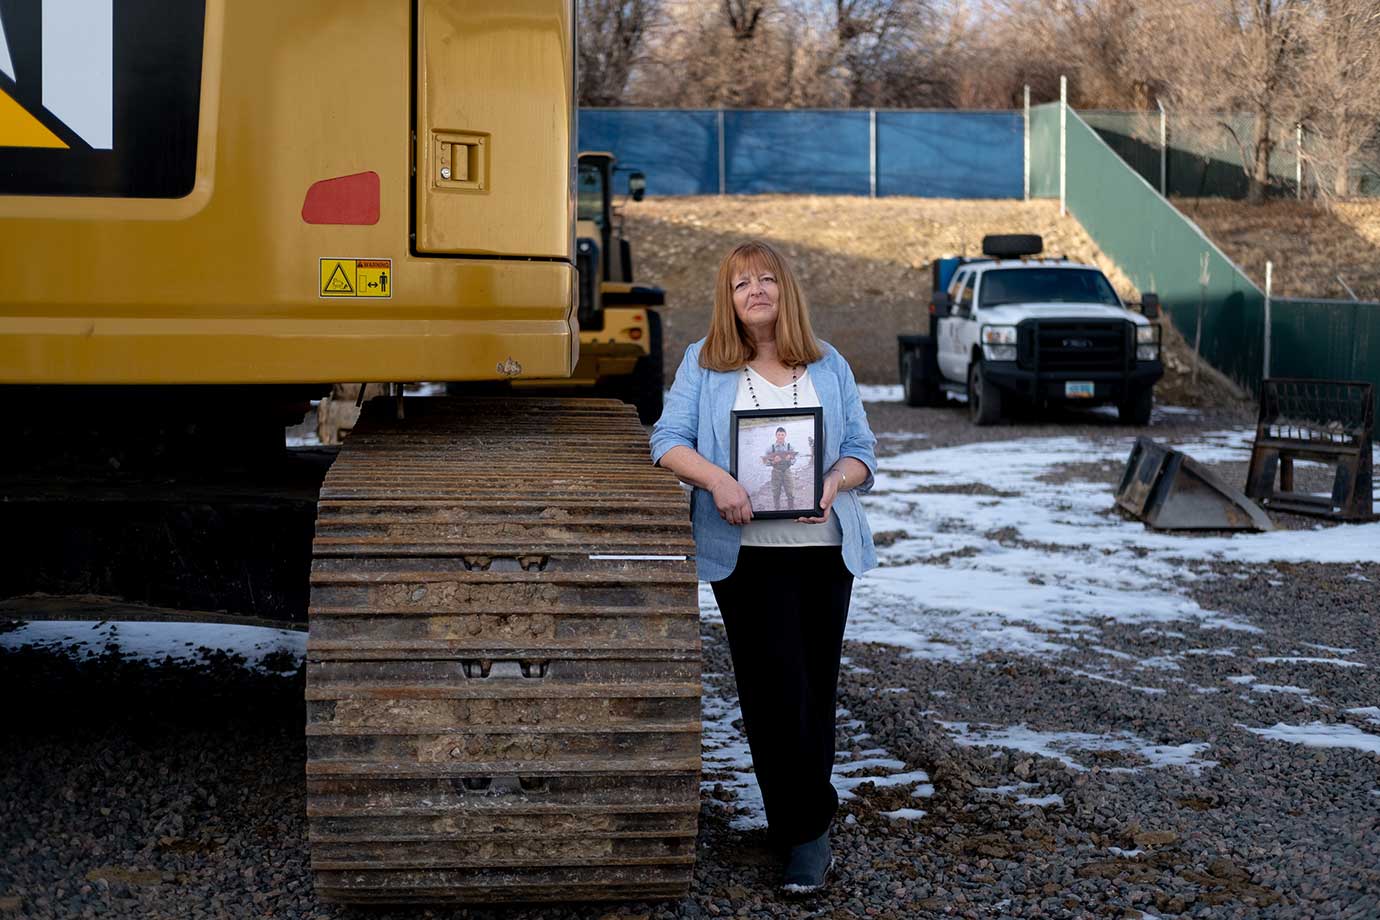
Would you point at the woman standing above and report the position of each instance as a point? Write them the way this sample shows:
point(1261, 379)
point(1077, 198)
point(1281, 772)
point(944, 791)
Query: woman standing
point(783, 586)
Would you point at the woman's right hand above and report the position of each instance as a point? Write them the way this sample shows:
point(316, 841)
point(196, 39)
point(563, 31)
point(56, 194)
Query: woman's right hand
point(732, 500)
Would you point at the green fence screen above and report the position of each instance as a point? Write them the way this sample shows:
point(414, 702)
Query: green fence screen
point(1334, 339)
point(1044, 151)
point(1163, 251)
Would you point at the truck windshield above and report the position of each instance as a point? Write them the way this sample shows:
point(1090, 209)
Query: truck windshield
point(1046, 285)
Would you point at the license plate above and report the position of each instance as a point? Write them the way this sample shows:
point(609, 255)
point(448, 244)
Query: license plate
point(1079, 389)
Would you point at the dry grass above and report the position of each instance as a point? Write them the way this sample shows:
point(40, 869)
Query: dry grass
point(1309, 245)
point(864, 263)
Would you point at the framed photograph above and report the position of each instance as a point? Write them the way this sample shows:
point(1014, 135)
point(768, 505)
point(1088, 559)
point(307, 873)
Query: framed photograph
point(773, 456)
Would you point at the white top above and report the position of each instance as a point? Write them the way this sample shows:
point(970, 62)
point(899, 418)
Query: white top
point(786, 532)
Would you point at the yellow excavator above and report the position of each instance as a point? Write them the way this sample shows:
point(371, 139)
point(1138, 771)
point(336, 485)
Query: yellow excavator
point(503, 665)
point(620, 325)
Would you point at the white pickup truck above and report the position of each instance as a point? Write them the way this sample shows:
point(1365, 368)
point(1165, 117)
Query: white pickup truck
point(1014, 328)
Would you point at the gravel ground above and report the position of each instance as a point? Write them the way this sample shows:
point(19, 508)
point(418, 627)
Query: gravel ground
point(134, 790)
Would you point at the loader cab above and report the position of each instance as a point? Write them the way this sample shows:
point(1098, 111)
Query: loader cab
point(620, 322)
point(599, 219)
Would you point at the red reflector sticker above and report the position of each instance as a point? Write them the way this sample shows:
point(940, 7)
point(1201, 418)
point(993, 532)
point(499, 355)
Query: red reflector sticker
point(634, 334)
point(343, 200)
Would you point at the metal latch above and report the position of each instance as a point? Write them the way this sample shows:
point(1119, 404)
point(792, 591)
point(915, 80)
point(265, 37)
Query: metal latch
point(460, 160)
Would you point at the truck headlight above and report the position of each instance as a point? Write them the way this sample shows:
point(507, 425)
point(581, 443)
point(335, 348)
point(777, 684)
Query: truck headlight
point(1147, 343)
point(999, 343)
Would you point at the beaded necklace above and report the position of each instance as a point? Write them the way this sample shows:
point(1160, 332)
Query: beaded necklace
point(795, 390)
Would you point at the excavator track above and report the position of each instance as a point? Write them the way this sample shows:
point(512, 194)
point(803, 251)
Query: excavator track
point(503, 670)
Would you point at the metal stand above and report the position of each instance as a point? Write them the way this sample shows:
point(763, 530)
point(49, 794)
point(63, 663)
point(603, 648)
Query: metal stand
point(1324, 421)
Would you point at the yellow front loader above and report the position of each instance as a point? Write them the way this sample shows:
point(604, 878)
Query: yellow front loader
point(620, 324)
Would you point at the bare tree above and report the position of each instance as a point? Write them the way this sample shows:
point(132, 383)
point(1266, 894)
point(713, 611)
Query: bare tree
point(612, 34)
point(872, 36)
point(736, 53)
point(1341, 82)
point(1240, 56)
point(743, 16)
point(1112, 50)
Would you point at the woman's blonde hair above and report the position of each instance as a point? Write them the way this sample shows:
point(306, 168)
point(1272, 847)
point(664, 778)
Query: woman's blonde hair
point(728, 347)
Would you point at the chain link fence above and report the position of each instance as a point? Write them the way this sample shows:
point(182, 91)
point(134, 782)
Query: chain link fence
point(1115, 197)
point(1197, 155)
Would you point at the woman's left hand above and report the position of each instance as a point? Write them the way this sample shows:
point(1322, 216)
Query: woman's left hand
point(826, 501)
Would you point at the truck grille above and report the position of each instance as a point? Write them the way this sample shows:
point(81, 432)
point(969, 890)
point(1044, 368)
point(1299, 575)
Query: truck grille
point(1074, 345)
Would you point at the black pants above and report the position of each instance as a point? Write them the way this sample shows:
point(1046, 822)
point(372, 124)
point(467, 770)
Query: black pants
point(784, 609)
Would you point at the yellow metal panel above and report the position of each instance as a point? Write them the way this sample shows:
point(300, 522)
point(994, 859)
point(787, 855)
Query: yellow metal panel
point(493, 82)
point(224, 285)
point(143, 350)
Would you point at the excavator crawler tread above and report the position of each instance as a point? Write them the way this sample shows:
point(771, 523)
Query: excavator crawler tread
point(503, 668)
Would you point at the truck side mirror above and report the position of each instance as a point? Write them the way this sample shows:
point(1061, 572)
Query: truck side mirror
point(637, 186)
point(1150, 306)
point(942, 304)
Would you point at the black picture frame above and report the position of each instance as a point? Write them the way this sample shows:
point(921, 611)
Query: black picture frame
point(751, 433)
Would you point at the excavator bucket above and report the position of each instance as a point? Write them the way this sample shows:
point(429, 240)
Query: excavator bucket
point(1169, 490)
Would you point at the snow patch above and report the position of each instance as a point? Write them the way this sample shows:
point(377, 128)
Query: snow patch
point(1024, 570)
point(728, 760)
point(1012, 789)
point(158, 641)
point(1279, 688)
point(1320, 734)
point(1294, 659)
point(1331, 648)
point(877, 393)
point(1059, 745)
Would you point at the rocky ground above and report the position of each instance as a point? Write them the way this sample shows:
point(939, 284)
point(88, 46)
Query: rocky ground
point(1046, 711)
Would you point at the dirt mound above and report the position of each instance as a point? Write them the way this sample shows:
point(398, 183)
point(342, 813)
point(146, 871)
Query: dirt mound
point(864, 264)
point(1314, 249)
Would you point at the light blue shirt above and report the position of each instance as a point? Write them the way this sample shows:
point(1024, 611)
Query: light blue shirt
point(697, 415)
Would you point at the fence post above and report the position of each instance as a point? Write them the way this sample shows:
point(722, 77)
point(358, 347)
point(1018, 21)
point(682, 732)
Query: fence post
point(1063, 144)
point(1298, 159)
point(1164, 149)
point(1203, 279)
point(723, 179)
point(872, 153)
point(1269, 280)
point(1027, 142)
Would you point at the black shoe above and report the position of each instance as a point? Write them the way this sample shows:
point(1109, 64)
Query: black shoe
point(807, 867)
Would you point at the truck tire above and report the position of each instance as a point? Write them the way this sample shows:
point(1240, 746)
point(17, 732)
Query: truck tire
point(984, 397)
point(918, 386)
point(1135, 408)
point(647, 388)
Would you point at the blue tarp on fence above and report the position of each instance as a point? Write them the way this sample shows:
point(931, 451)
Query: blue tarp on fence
point(933, 154)
point(678, 149)
point(824, 153)
point(950, 154)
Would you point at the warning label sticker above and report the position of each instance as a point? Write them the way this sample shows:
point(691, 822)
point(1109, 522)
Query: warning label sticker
point(356, 277)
